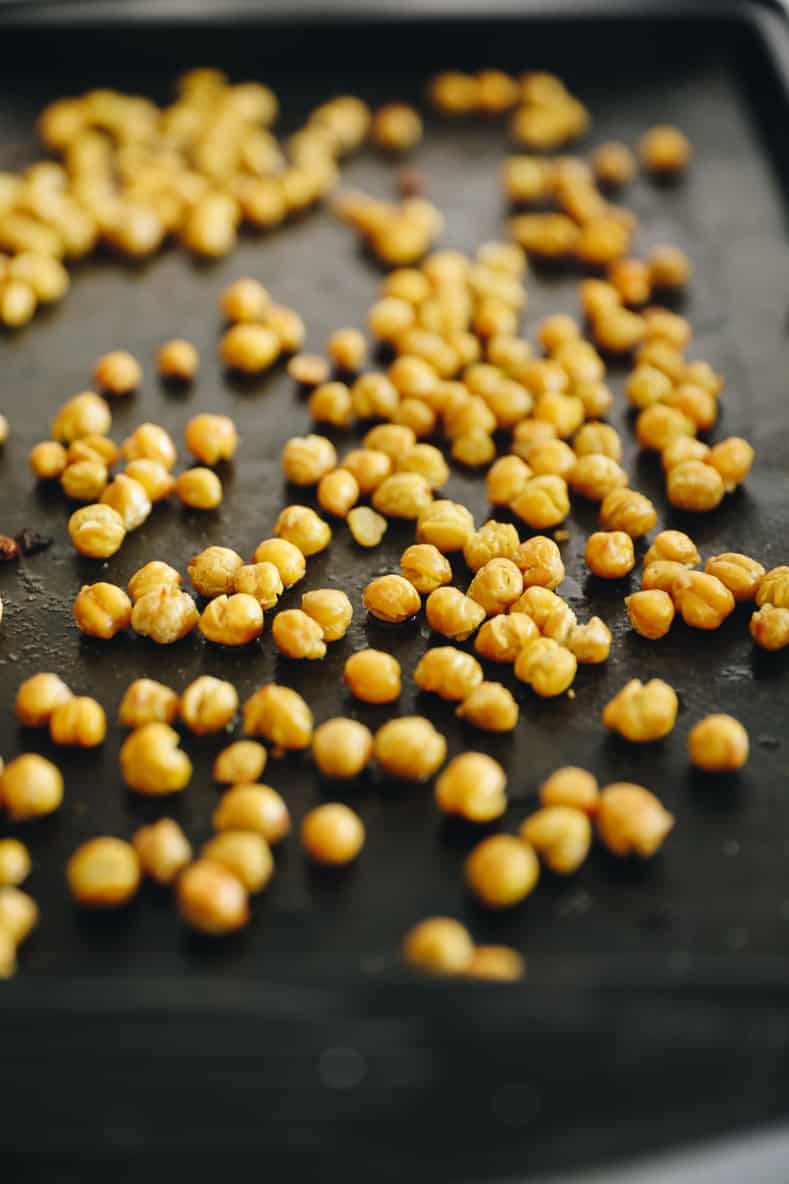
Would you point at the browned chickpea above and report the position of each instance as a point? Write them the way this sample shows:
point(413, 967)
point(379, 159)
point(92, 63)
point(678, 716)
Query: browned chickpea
point(154, 478)
point(647, 385)
point(146, 701)
point(501, 871)
point(472, 786)
point(211, 898)
point(279, 715)
point(718, 744)
point(609, 554)
point(742, 575)
point(642, 712)
point(614, 164)
point(38, 697)
point(664, 149)
point(425, 567)
point(117, 373)
point(769, 627)
point(102, 610)
point(208, 705)
point(448, 672)
point(256, 808)
point(439, 946)
point(403, 495)
point(660, 575)
point(178, 360)
point(444, 524)
point(631, 820)
point(674, 545)
point(163, 850)
point(546, 666)
point(552, 615)
point(30, 787)
point(651, 612)
point(232, 620)
point(103, 873)
point(409, 748)
point(628, 511)
point(332, 610)
point(391, 598)
point(571, 787)
point(659, 426)
point(301, 526)
point(732, 459)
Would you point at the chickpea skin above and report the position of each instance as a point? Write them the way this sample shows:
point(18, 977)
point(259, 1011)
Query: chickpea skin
point(146, 701)
point(38, 697)
point(439, 946)
point(211, 898)
point(152, 763)
point(651, 612)
point(102, 610)
point(79, 722)
point(257, 808)
point(450, 673)
point(560, 835)
point(242, 761)
point(769, 627)
point(425, 567)
point(332, 834)
point(97, 531)
point(117, 373)
point(409, 748)
point(742, 575)
point(642, 712)
point(702, 600)
point(491, 707)
point(609, 554)
point(285, 556)
point(165, 615)
point(631, 820)
point(208, 705)
point(572, 787)
point(103, 873)
point(454, 615)
point(502, 871)
point(373, 676)
point(718, 744)
point(472, 786)
point(211, 438)
point(163, 850)
point(301, 526)
point(280, 715)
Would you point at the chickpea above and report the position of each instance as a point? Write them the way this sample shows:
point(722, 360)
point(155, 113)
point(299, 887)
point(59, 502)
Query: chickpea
point(428, 462)
point(682, 449)
point(301, 526)
point(591, 643)
point(366, 527)
point(501, 871)
point(287, 326)
point(97, 531)
point(18, 917)
point(15, 863)
point(595, 476)
point(403, 495)
point(338, 492)
point(178, 360)
point(332, 834)
point(232, 620)
point(129, 500)
point(256, 808)
point(439, 946)
point(642, 712)
point(547, 667)
point(631, 820)
point(211, 438)
point(773, 588)
point(496, 964)
point(341, 748)
point(474, 449)
point(244, 853)
point(732, 459)
point(553, 457)
point(103, 873)
point(669, 267)
point(742, 575)
point(613, 164)
point(369, 467)
point(199, 488)
point(117, 373)
point(332, 610)
point(84, 481)
point(702, 374)
point(373, 676)
point(208, 705)
point(150, 442)
point(628, 511)
point(305, 459)
point(491, 707)
point(48, 460)
point(308, 369)
point(552, 615)
point(595, 397)
point(561, 835)
point(543, 502)
point(454, 615)
point(409, 748)
point(249, 348)
point(660, 576)
point(391, 598)
point(674, 545)
point(17, 303)
point(214, 570)
point(297, 635)
point(647, 385)
point(154, 478)
point(331, 402)
point(609, 554)
point(151, 761)
point(396, 127)
point(548, 236)
point(165, 614)
point(496, 586)
point(38, 697)
point(697, 404)
point(506, 479)
point(664, 149)
point(769, 627)
point(617, 329)
point(718, 744)
point(597, 438)
point(702, 600)
point(146, 701)
point(651, 612)
point(571, 787)
point(30, 787)
point(285, 556)
point(348, 349)
point(448, 672)
point(659, 426)
point(472, 786)
point(393, 439)
point(667, 326)
point(493, 540)
point(632, 280)
point(244, 300)
point(78, 722)
point(373, 396)
point(425, 567)
point(279, 715)
point(501, 638)
point(211, 898)
point(663, 356)
point(102, 610)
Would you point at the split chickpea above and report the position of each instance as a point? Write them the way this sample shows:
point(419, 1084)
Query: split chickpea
point(146, 701)
point(280, 715)
point(152, 763)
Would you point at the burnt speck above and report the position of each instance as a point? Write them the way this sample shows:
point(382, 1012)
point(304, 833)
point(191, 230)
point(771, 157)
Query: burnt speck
point(9, 549)
point(30, 542)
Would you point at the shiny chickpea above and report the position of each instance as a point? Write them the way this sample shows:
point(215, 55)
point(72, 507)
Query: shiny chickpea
point(129, 500)
point(439, 946)
point(642, 712)
point(17, 303)
point(501, 638)
point(103, 873)
point(769, 627)
point(38, 697)
point(208, 705)
point(473, 449)
point(491, 707)
point(348, 349)
point(84, 481)
point(496, 586)
point(669, 268)
point(590, 643)
point(546, 666)
point(341, 748)
point(286, 558)
point(594, 476)
point(332, 610)
point(244, 300)
point(178, 360)
point(506, 479)
point(718, 744)
point(502, 871)
point(742, 575)
point(211, 438)
point(297, 635)
point(543, 502)
point(102, 610)
point(211, 898)
point(448, 672)
point(199, 488)
point(631, 820)
point(664, 325)
point(373, 676)
point(409, 748)
point(732, 459)
point(241, 762)
point(674, 545)
point(425, 567)
point(548, 236)
point(163, 850)
point(392, 438)
point(697, 404)
point(664, 149)
point(444, 524)
point(30, 787)
point(232, 620)
point(279, 715)
point(659, 426)
point(157, 482)
point(597, 438)
point(493, 540)
point(428, 461)
point(454, 615)
point(552, 457)
point(249, 348)
point(15, 863)
point(773, 588)
point(146, 701)
point(391, 598)
point(702, 374)
point(472, 786)
point(165, 614)
point(373, 396)
point(151, 761)
point(79, 722)
point(150, 442)
point(552, 615)
point(117, 373)
point(403, 495)
point(338, 492)
point(97, 531)
point(301, 526)
point(257, 808)
point(660, 576)
point(48, 460)
point(369, 467)
point(287, 326)
point(305, 459)
point(628, 511)
point(702, 600)
point(213, 571)
point(571, 787)
point(651, 612)
point(609, 554)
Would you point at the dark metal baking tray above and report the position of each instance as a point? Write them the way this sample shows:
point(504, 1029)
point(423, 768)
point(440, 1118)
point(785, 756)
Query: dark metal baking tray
point(655, 1008)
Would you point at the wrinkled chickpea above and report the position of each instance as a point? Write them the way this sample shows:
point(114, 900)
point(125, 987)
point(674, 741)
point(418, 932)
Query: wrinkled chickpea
point(297, 635)
point(614, 164)
point(146, 701)
point(428, 461)
point(97, 531)
point(501, 638)
point(439, 946)
point(208, 705)
point(373, 676)
point(163, 850)
point(38, 697)
point(546, 666)
point(732, 459)
point(103, 873)
point(85, 481)
point(552, 615)
point(305, 459)
point(211, 438)
point(151, 761)
point(660, 426)
point(506, 479)
point(632, 280)
point(211, 898)
point(591, 643)
point(409, 748)
point(391, 598)
point(594, 476)
point(769, 627)
point(178, 360)
point(493, 540)
point(285, 556)
point(129, 500)
point(453, 614)
point(403, 495)
point(674, 545)
point(199, 488)
point(642, 712)
point(491, 707)
point(244, 853)
point(552, 457)
point(239, 763)
point(774, 588)
point(718, 744)
point(571, 787)
point(213, 571)
point(48, 460)
point(472, 786)
point(154, 478)
point(697, 404)
point(79, 722)
point(373, 396)
point(424, 566)
point(628, 511)
point(631, 820)
point(561, 836)
point(702, 600)
point(742, 575)
point(155, 574)
point(287, 326)
point(660, 576)
point(117, 373)
point(331, 402)
point(600, 438)
point(232, 620)
point(301, 526)
point(369, 467)
point(540, 562)
point(279, 715)
point(543, 502)
point(15, 863)
point(651, 612)
point(102, 610)
point(647, 385)
point(496, 586)
point(332, 610)
point(165, 614)
point(249, 348)
point(448, 672)
point(609, 554)
point(502, 871)
point(150, 442)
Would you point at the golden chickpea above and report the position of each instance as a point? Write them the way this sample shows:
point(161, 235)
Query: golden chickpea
point(702, 374)
point(561, 835)
point(79, 722)
point(669, 267)
point(501, 638)
point(211, 438)
point(697, 404)
point(609, 554)
point(548, 236)
point(211, 898)
point(102, 610)
point(305, 459)
point(208, 705)
point(663, 356)
point(491, 707)
point(287, 326)
point(664, 149)
point(391, 598)
point(97, 531)
point(392, 438)
point(702, 600)
point(30, 787)
point(773, 588)
point(332, 610)
point(506, 479)
point(129, 500)
point(594, 476)
point(38, 697)
point(647, 385)
point(496, 586)
point(17, 303)
point(163, 850)
point(659, 426)
point(338, 492)
point(591, 643)
point(84, 481)
point(48, 460)
point(297, 635)
point(257, 808)
point(595, 397)
point(239, 763)
point(674, 545)
point(332, 834)
point(742, 575)
point(552, 615)
point(396, 127)
point(244, 300)
point(501, 871)
point(660, 575)
point(614, 164)
point(546, 666)
point(366, 527)
point(151, 761)
point(682, 449)
point(631, 820)
point(732, 459)
point(341, 748)
point(662, 324)
point(651, 612)
point(473, 787)
point(369, 467)
point(632, 280)
point(232, 620)
point(543, 502)
point(348, 349)
point(154, 478)
point(165, 614)
point(18, 917)
point(199, 488)
point(597, 438)
point(454, 615)
point(279, 715)
point(178, 360)
point(496, 964)
point(425, 567)
point(117, 373)
point(249, 348)
point(409, 748)
point(403, 495)
point(474, 449)
point(244, 853)
point(15, 863)
point(439, 946)
point(150, 442)
point(146, 701)
point(571, 787)
point(373, 676)
point(301, 526)
point(552, 457)
point(428, 461)
point(286, 558)
point(642, 712)
point(448, 672)
point(308, 369)
point(617, 329)
point(718, 744)
point(332, 403)
point(769, 627)
point(493, 540)
point(373, 396)
point(103, 873)
point(628, 511)
point(214, 570)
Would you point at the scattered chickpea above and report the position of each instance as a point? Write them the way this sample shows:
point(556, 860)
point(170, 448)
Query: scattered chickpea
point(674, 545)
point(150, 442)
point(718, 744)
point(165, 614)
point(773, 588)
point(214, 570)
point(453, 614)
point(244, 300)
point(609, 554)
point(87, 414)
point(732, 459)
point(502, 871)
point(660, 576)
point(594, 476)
point(496, 586)
point(30, 787)
point(232, 620)
point(298, 635)
point(373, 676)
point(287, 326)
point(332, 834)
point(664, 149)
point(285, 556)
point(117, 373)
point(129, 500)
point(103, 873)
point(151, 761)
point(308, 369)
point(628, 511)
point(97, 531)
point(594, 437)
point(15, 863)
point(473, 786)
point(505, 480)
point(369, 467)
point(146, 701)
point(493, 540)
point(742, 575)
point(338, 492)
point(591, 643)
point(651, 612)
point(496, 964)
point(244, 853)
point(669, 267)
point(502, 637)
point(249, 348)
point(403, 495)
point(631, 820)
point(78, 722)
point(613, 164)
point(450, 673)
point(391, 598)
point(163, 850)
point(157, 482)
point(257, 808)
point(366, 527)
point(208, 705)
point(348, 349)
point(396, 127)
point(332, 610)
point(552, 457)
point(279, 715)
point(409, 747)
point(694, 485)
point(341, 748)
point(547, 667)
point(769, 627)
point(211, 898)
point(439, 946)
point(697, 404)
point(301, 526)
point(642, 712)
point(395, 439)
point(561, 835)
point(702, 600)
point(199, 488)
point(241, 762)
point(48, 460)
point(491, 707)
point(38, 697)
point(211, 438)
point(102, 610)
point(84, 481)
point(178, 360)
point(332, 403)
point(571, 787)
point(543, 502)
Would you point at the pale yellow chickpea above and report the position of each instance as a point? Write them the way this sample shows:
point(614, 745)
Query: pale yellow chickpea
point(338, 492)
point(232, 620)
point(446, 525)
point(208, 705)
point(742, 575)
point(332, 403)
point(17, 303)
point(409, 748)
point(84, 481)
point(332, 834)
point(211, 438)
point(773, 588)
point(496, 586)
point(165, 614)
point(249, 349)
point(102, 610)
point(395, 439)
point(30, 787)
point(561, 836)
point(391, 598)
point(178, 360)
point(628, 511)
point(591, 643)
point(97, 531)
point(256, 808)
point(279, 715)
point(424, 566)
point(491, 707)
point(651, 612)
point(369, 467)
point(304, 528)
point(244, 853)
point(151, 761)
point(38, 697)
point(614, 164)
point(503, 637)
point(732, 460)
point(453, 614)
point(199, 488)
point(117, 373)
point(129, 500)
point(48, 460)
point(211, 898)
point(600, 438)
point(702, 600)
point(373, 396)
point(540, 562)
point(594, 476)
point(157, 482)
point(244, 300)
point(718, 744)
point(403, 495)
point(331, 608)
point(79, 722)
point(150, 442)
point(341, 748)
point(673, 545)
point(669, 267)
point(546, 666)
point(661, 354)
point(308, 369)
point(642, 712)
point(366, 527)
point(146, 701)
point(213, 571)
point(571, 787)
point(103, 873)
point(502, 871)
point(769, 627)
point(595, 397)
point(631, 820)
point(472, 786)
point(287, 326)
point(239, 763)
point(439, 946)
point(543, 502)
point(505, 480)
point(163, 850)
point(448, 672)
point(286, 558)
point(15, 863)
point(610, 554)
point(373, 676)
point(305, 459)
point(493, 540)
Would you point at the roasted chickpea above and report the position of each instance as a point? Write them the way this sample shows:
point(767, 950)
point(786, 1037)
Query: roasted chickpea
point(338, 492)
point(660, 426)
point(547, 667)
point(30, 787)
point(496, 586)
point(702, 600)
point(250, 348)
point(769, 627)
point(178, 360)
point(496, 964)
point(454, 615)
point(631, 820)
point(129, 500)
point(301, 526)
point(98, 530)
point(117, 373)
point(15, 863)
point(614, 164)
point(199, 488)
point(702, 374)
point(244, 300)
point(742, 575)
point(732, 459)
point(571, 787)
point(208, 705)
point(591, 643)
point(409, 748)
point(78, 722)
point(332, 610)
point(552, 615)
point(373, 396)
point(543, 502)
point(561, 835)
point(211, 898)
point(651, 612)
point(718, 744)
point(151, 761)
point(145, 702)
point(342, 748)
point(103, 873)
point(214, 570)
point(597, 438)
point(642, 712)
point(305, 459)
point(428, 461)
point(102, 610)
point(647, 385)
point(48, 460)
point(674, 545)
point(473, 786)
point(84, 481)
point(348, 349)
point(239, 763)
point(391, 598)
point(697, 404)
point(491, 707)
point(774, 588)
point(506, 479)
point(501, 871)
point(551, 457)
point(331, 402)
point(664, 149)
point(332, 834)
point(38, 697)
point(163, 850)
point(165, 614)
point(660, 575)
point(669, 267)
point(403, 495)
point(501, 638)
point(286, 558)
point(279, 715)
point(244, 853)
point(448, 672)
point(493, 540)
point(150, 442)
point(373, 676)
point(609, 554)
point(594, 476)
point(439, 946)
point(628, 511)
point(211, 438)
point(369, 467)
point(308, 369)
point(617, 329)
point(232, 620)
point(425, 567)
